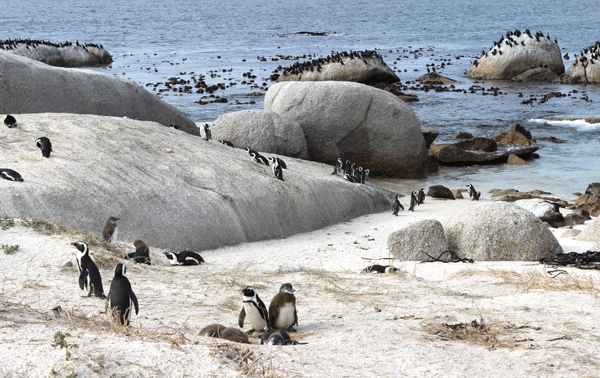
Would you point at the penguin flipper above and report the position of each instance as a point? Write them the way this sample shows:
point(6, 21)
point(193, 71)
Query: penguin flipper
point(133, 299)
point(82, 276)
point(242, 317)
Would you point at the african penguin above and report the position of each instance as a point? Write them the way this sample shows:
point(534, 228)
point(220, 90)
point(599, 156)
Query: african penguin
point(234, 334)
point(473, 193)
point(10, 121)
point(337, 169)
point(259, 158)
point(89, 275)
point(413, 201)
point(9, 174)
point(226, 142)
point(110, 230)
point(253, 308)
point(421, 196)
point(44, 144)
point(282, 310)
point(141, 254)
point(380, 269)
point(212, 330)
point(277, 171)
point(277, 337)
point(348, 169)
point(397, 206)
point(207, 133)
point(184, 258)
point(121, 296)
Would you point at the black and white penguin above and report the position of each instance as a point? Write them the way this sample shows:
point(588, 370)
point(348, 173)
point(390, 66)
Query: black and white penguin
point(348, 169)
point(10, 121)
point(397, 206)
point(141, 254)
point(184, 258)
point(207, 133)
point(277, 171)
point(358, 174)
point(282, 310)
point(421, 196)
point(380, 269)
point(413, 201)
point(277, 337)
point(9, 174)
point(226, 142)
point(254, 309)
point(278, 160)
point(89, 275)
point(259, 158)
point(110, 230)
point(44, 144)
point(473, 193)
point(337, 169)
point(121, 296)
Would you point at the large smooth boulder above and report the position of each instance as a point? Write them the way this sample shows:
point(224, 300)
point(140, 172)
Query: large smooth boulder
point(262, 131)
point(499, 231)
point(545, 210)
point(369, 68)
point(65, 56)
point(506, 62)
point(514, 138)
point(28, 86)
point(585, 69)
point(591, 233)
point(440, 191)
point(453, 155)
point(536, 74)
point(368, 126)
point(169, 189)
point(412, 239)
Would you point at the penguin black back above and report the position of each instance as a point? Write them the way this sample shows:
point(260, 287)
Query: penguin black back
point(397, 206)
point(9, 174)
point(141, 254)
point(184, 258)
point(255, 310)
point(89, 275)
point(121, 296)
point(421, 196)
point(10, 121)
point(413, 201)
point(44, 144)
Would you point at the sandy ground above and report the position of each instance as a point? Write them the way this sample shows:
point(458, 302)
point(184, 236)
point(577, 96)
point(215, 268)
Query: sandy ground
point(487, 319)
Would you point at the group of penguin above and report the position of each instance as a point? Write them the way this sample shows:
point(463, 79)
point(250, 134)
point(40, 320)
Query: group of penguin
point(43, 143)
point(417, 199)
point(315, 64)
point(9, 44)
point(350, 171)
point(511, 42)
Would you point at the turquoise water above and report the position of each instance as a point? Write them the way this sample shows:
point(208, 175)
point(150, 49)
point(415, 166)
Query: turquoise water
point(152, 41)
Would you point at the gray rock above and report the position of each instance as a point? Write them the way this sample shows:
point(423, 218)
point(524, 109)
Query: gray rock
point(440, 191)
point(593, 189)
point(538, 207)
point(499, 231)
point(414, 238)
point(365, 125)
point(452, 155)
point(430, 134)
point(591, 233)
point(536, 74)
point(28, 86)
point(518, 59)
point(68, 56)
point(170, 189)
point(435, 78)
point(582, 71)
point(263, 131)
point(574, 219)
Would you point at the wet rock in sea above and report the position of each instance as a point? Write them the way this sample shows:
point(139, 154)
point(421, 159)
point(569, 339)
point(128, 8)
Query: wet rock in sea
point(368, 126)
point(517, 53)
point(464, 135)
point(440, 191)
point(536, 74)
point(478, 144)
point(515, 160)
point(514, 138)
point(263, 131)
point(591, 233)
point(61, 55)
point(585, 69)
point(411, 240)
point(452, 155)
point(520, 129)
point(435, 78)
point(430, 134)
point(499, 231)
point(593, 189)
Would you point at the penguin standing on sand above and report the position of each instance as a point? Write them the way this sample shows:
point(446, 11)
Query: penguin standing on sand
point(397, 206)
point(282, 310)
point(110, 230)
point(9, 174)
point(89, 275)
point(254, 309)
point(473, 193)
point(121, 296)
point(141, 254)
point(207, 133)
point(337, 169)
point(44, 144)
point(413, 201)
point(421, 196)
point(10, 121)
point(380, 269)
point(184, 258)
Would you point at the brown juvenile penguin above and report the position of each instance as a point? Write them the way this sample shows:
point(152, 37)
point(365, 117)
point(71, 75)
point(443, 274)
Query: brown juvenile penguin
point(141, 254)
point(212, 330)
point(282, 310)
point(110, 231)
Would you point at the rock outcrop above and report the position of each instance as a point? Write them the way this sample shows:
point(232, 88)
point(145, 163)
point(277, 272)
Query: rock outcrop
point(536, 74)
point(365, 125)
point(411, 240)
point(593, 189)
point(64, 56)
point(585, 69)
point(591, 233)
point(435, 78)
point(430, 134)
point(518, 53)
point(499, 231)
point(28, 86)
point(170, 189)
point(262, 131)
point(452, 155)
point(440, 191)
point(545, 210)
point(589, 203)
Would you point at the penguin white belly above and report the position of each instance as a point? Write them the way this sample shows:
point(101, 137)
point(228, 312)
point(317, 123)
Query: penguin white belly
point(253, 316)
point(286, 316)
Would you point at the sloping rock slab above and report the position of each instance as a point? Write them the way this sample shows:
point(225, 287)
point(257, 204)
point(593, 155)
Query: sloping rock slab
point(67, 56)
point(450, 155)
point(28, 86)
point(170, 189)
point(536, 74)
point(499, 231)
point(435, 78)
point(411, 240)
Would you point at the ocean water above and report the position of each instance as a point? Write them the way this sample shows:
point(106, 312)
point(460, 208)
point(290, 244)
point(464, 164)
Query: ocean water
point(152, 41)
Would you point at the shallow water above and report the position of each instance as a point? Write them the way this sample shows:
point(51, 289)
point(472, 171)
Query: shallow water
point(152, 41)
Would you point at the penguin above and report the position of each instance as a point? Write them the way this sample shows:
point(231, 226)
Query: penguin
point(358, 174)
point(184, 258)
point(254, 308)
point(397, 206)
point(110, 230)
point(10, 121)
point(472, 193)
point(421, 196)
point(44, 144)
point(277, 337)
point(259, 158)
point(141, 254)
point(212, 330)
point(89, 275)
point(380, 269)
point(9, 174)
point(413, 201)
point(121, 296)
point(207, 133)
point(234, 334)
point(337, 169)
point(282, 310)
point(226, 142)
point(278, 160)
point(348, 169)
point(277, 172)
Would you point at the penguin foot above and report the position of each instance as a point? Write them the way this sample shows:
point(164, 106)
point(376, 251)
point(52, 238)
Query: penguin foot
point(250, 332)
